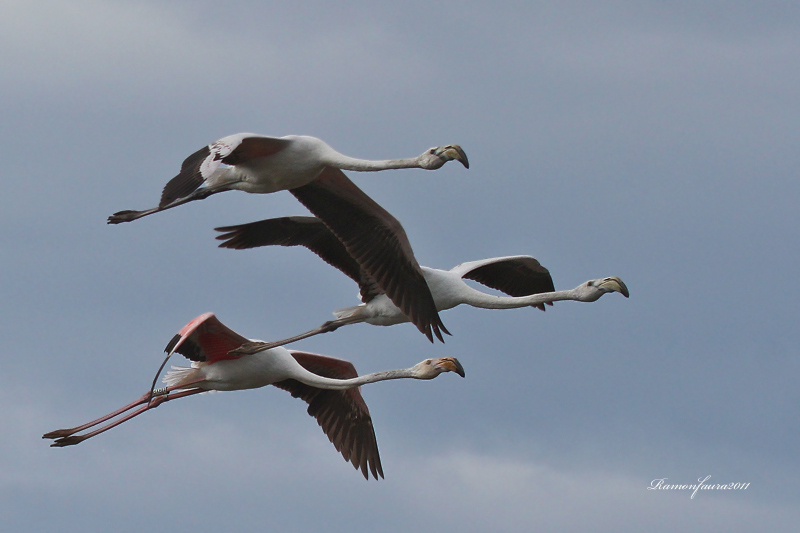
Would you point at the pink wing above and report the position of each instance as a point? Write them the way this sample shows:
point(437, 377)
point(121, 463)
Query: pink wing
point(206, 339)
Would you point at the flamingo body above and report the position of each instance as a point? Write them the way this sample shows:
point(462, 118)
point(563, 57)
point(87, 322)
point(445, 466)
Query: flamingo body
point(261, 164)
point(253, 163)
point(522, 277)
point(312, 171)
point(330, 386)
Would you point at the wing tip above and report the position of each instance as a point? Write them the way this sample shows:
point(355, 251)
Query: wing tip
point(172, 343)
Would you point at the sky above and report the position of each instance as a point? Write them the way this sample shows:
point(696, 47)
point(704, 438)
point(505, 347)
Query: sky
point(654, 141)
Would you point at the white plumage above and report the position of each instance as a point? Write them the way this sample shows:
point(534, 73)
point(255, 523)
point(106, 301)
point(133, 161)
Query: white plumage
point(328, 385)
point(522, 277)
point(311, 171)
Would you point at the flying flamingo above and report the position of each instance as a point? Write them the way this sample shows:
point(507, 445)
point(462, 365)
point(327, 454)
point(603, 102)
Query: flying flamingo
point(522, 277)
point(311, 170)
point(328, 385)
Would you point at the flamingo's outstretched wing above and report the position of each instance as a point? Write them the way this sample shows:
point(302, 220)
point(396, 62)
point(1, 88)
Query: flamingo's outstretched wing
point(310, 232)
point(206, 339)
point(342, 414)
point(518, 275)
point(377, 241)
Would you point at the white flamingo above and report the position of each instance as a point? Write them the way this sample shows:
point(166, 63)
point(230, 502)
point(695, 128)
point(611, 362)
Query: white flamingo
point(312, 171)
point(328, 385)
point(522, 277)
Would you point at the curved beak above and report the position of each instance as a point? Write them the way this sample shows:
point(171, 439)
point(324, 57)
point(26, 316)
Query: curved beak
point(614, 284)
point(450, 364)
point(454, 151)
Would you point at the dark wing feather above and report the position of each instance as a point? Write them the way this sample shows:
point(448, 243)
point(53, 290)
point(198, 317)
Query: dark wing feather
point(310, 232)
point(377, 241)
point(521, 276)
point(342, 414)
point(188, 180)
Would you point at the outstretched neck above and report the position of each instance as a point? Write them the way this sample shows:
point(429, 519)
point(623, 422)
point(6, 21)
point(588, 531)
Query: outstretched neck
point(363, 165)
point(487, 301)
point(314, 380)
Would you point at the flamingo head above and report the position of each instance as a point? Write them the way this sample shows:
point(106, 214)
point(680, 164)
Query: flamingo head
point(593, 289)
point(430, 368)
point(437, 156)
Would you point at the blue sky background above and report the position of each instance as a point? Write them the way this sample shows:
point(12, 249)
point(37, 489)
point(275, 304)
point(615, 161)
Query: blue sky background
point(652, 141)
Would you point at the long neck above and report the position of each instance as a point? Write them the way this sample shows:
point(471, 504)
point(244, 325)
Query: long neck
point(309, 378)
point(477, 298)
point(363, 165)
